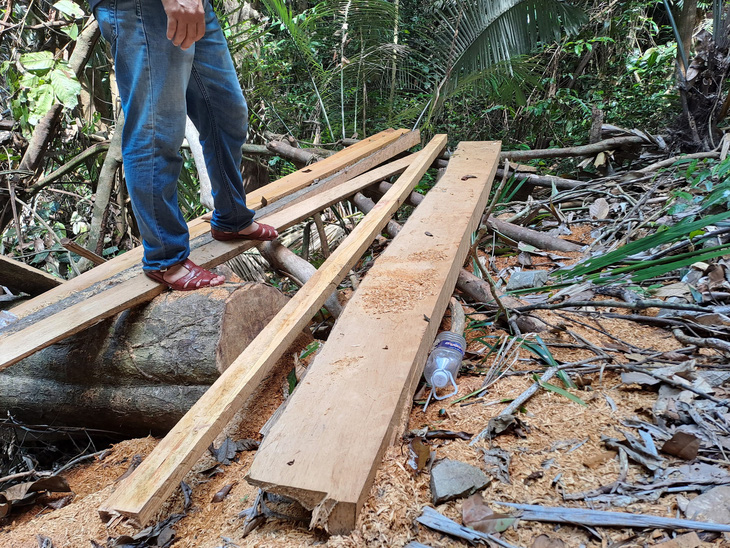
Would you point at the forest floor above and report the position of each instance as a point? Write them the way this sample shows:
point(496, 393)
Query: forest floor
point(557, 450)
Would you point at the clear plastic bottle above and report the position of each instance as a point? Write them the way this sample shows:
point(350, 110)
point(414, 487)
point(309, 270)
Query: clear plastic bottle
point(444, 362)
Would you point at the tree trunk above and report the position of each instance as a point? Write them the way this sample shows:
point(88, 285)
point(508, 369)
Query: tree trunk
point(140, 371)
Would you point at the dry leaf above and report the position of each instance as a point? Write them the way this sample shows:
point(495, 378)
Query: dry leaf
point(223, 493)
point(599, 209)
point(596, 460)
point(682, 445)
point(690, 540)
point(544, 541)
point(419, 454)
point(477, 515)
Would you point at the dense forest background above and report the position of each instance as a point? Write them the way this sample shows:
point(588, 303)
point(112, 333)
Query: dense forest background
point(532, 73)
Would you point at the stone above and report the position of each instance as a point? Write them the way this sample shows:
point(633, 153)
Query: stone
point(527, 279)
point(712, 506)
point(453, 479)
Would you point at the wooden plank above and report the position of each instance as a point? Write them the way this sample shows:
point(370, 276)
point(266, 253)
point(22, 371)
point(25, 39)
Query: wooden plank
point(325, 448)
point(18, 276)
point(142, 493)
point(16, 344)
point(339, 167)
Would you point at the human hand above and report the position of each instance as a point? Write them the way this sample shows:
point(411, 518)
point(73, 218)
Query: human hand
point(185, 21)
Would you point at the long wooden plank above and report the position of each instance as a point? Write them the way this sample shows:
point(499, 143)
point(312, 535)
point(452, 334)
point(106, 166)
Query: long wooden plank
point(21, 277)
point(339, 167)
point(18, 344)
point(142, 493)
point(325, 448)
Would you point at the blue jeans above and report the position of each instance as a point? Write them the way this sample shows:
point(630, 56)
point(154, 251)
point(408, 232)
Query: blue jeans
point(159, 84)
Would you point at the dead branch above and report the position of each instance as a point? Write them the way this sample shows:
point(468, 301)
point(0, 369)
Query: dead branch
point(710, 342)
point(583, 150)
point(532, 237)
point(634, 305)
point(546, 181)
point(674, 159)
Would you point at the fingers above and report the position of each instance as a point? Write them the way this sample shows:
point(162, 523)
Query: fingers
point(183, 35)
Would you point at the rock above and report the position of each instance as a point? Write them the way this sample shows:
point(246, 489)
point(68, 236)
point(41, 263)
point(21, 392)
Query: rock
point(712, 506)
point(525, 280)
point(453, 479)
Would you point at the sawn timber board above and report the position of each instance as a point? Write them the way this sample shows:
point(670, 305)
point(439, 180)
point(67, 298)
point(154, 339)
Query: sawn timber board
point(141, 494)
point(17, 344)
point(328, 443)
point(341, 166)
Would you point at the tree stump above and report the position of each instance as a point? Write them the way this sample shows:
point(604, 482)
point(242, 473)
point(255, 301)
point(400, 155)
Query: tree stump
point(139, 372)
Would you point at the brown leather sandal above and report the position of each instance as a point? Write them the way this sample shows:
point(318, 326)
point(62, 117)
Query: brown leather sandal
point(196, 278)
point(264, 233)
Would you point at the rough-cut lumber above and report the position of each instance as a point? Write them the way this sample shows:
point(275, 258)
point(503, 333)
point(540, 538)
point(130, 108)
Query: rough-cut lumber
point(25, 337)
point(18, 276)
point(142, 493)
point(342, 166)
point(325, 448)
point(140, 371)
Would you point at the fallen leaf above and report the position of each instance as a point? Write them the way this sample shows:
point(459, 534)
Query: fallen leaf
point(598, 459)
point(28, 492)
point(682, 445)
point(223, 493)
point(534, 477)
point(447, 435)
point(477, 515)
point(599, 209)
point(690, 540)
point(57, 504)
point(466, 177)
point(419, 454)
point(544, 541)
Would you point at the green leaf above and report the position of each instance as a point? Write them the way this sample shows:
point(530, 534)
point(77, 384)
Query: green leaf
point(66, 86)
point(72, 9)
point(41, 102)
point(72, 31)
point(37, 61)
point(558, 390)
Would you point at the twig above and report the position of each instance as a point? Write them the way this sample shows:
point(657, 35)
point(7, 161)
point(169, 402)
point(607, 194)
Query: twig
point(51, 232)
point(710, 342)
point(667, 380)
point(636, 305)
point(527, 394)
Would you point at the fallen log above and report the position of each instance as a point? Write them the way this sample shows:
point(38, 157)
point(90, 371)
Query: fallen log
point(141, 370)
point(282, 258)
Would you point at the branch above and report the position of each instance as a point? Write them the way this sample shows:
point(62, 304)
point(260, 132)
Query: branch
point(584, 150)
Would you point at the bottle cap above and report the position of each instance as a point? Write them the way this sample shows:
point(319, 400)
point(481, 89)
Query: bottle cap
point(440, 378)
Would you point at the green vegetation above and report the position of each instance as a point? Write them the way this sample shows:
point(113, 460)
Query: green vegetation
point(533, 73)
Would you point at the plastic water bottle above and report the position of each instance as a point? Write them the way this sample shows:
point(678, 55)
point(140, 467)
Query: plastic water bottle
point(444, 362)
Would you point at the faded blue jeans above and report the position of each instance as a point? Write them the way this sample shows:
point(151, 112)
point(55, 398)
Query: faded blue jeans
point(159, 84)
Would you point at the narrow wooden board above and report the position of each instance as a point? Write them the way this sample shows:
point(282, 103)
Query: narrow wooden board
point(144, 491)
point(18, 344)
point(328, 443)
point(19, 276)
point(339, 167)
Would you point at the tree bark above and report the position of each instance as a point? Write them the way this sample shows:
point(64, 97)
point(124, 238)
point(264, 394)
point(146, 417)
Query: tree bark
point(141, 370)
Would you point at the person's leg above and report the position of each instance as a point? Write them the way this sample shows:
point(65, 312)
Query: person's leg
point(152, 77)
point(218, 109)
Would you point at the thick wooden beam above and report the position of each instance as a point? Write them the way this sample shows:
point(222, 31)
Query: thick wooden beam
point(17, 342)
point(339, 167)
point(142, 493)
point(325, 448)
point(19, 276)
